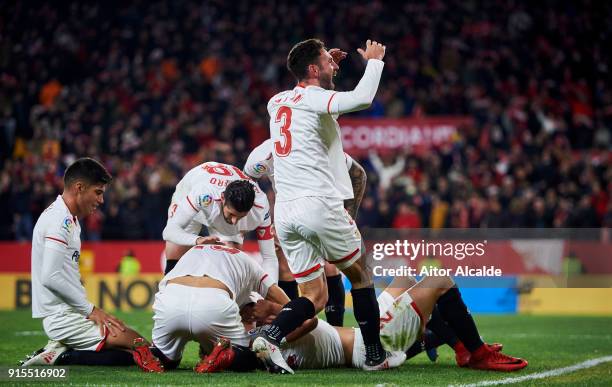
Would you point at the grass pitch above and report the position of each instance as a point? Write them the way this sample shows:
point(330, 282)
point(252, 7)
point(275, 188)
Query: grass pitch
point(546, 342)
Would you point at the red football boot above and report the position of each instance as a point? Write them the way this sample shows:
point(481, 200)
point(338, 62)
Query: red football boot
point(462, 355)
point(144, 358)
point(219, 359)
point(486, 359)
point(496, 347)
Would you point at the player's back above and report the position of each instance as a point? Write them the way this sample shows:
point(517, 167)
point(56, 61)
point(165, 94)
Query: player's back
point(303, 133)
point(217, 174)
point(240, 273)
point(320, 348)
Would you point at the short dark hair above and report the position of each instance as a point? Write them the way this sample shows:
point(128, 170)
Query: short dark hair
point(87, 170)
point(240, 194)
point(302, 55)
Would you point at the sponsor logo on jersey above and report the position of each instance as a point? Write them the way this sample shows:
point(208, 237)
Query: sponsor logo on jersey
point(267, 215)
point(206, 200)
point(260, 168)
point(68, 224)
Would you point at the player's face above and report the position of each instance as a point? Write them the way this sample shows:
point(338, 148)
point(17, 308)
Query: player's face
point(327, 69)
point(90, 197)
point(231, 215)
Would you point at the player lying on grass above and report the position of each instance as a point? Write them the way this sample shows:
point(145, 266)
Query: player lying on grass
point(199, 301)
point(402, 323)
point(58, 296)
point(222, 198)
point(260, 164)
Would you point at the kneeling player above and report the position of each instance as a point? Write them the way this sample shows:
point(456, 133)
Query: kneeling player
point(198, 301)
point(58, 297)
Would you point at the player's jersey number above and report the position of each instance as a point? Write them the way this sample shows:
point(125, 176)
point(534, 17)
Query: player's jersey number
point(223, 170)
point(281, 149)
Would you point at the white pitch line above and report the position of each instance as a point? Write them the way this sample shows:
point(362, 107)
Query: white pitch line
point(29, 333)
point(542, 375)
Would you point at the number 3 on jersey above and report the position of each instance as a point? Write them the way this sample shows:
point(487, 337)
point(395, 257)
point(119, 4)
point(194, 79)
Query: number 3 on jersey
point(280, 149)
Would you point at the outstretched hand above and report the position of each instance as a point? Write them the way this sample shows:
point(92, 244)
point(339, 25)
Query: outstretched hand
point(373, 50)
point(208, 240)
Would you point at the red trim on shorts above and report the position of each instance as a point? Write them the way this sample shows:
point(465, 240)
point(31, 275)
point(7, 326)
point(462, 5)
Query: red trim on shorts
point(191, 204)
point(329, 102)
point(309, 271)
point(348, 257)
point(101, 345)
point(57, 240)
point(261, 280)
point(418, 311)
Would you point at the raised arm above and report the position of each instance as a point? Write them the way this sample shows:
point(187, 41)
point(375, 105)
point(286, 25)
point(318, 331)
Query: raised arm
point(361, 97)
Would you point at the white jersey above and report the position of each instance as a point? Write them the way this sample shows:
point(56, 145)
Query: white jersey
point(56, 248)
point(400, 321)
point(308, 154)
point(260, 162)
point(198, 199)
point(320, 348)
point(240, 273)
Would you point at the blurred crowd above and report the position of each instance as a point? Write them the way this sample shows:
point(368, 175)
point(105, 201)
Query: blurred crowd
point(153, 88)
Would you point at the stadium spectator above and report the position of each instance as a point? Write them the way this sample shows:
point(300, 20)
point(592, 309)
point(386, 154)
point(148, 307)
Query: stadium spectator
point(154, 89)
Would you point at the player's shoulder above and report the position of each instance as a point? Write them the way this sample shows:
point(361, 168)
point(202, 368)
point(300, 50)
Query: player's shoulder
point(292, 98)
point(206, 193)
point(261, 154)
point(57, 220)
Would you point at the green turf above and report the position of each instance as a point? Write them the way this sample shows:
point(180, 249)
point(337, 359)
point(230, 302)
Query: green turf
point(547, 342)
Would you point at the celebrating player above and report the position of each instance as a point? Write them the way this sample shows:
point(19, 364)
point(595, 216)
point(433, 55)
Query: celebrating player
point(58, 297)
point(199, 301)
point(311, 181)
point(260, 164)
point(224, 199)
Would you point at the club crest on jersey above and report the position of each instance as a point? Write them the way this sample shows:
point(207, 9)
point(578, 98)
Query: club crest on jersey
point(68, 224)
point(206, 200)
point(260, 168)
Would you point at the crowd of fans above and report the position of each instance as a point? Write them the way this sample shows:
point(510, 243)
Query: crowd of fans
point(153, 88)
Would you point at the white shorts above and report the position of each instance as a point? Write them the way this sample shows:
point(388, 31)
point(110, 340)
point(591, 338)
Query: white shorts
point(74, 331)
point(185, 313)
point(400, 322)
point(400, 326)
point(312, 230)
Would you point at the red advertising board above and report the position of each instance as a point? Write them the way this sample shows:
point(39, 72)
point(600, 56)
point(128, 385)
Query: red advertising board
point(359, 135)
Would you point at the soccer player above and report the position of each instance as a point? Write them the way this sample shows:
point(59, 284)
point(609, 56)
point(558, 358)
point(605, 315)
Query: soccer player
point(260, 164)
point(224, 199)
point(402, 319)
point(199, 301)
point(311, 181)
point(58, 297)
